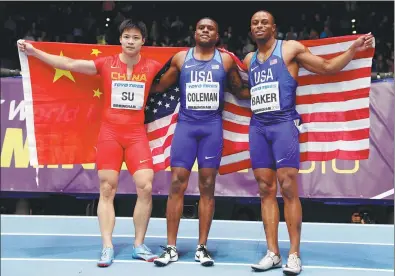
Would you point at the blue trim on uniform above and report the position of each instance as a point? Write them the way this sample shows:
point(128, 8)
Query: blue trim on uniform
point(189, 55)
point(217, 56)
point(254, 57)
point(277, 51)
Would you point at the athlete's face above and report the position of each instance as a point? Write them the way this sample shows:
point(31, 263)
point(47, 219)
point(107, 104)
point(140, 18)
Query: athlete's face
point(131, 41)
point(262, 27)
point(206, 33)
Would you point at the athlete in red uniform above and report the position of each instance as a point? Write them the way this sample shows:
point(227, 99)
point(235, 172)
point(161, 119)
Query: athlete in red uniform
point(127, 79)
point(122, 135)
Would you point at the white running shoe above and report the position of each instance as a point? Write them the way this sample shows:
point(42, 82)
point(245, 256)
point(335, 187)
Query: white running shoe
point(293, 266)
point(202, 256)
point(271, 260)
point(169, 255)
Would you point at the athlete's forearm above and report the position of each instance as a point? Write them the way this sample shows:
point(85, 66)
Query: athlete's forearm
point(164, 82)
point(56, 61)
point(336, 64)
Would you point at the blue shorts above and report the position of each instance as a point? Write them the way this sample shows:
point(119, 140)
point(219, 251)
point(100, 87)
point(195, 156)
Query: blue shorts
point(201, 140)
point(274, 146)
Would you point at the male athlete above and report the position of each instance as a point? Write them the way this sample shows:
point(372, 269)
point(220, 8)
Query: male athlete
point(273, 133)
point(203, 73)
point(127, 79)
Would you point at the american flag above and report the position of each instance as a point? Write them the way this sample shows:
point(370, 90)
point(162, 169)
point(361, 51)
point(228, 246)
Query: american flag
point(334, 110)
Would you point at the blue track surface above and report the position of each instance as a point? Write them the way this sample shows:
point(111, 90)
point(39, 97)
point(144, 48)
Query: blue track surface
point(43, 245)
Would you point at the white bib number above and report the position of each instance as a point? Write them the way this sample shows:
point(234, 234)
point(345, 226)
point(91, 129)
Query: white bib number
point(265, 97)
point(127, 95)
point(202, 95)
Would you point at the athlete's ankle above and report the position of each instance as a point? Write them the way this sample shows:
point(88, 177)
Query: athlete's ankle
point(108, 245)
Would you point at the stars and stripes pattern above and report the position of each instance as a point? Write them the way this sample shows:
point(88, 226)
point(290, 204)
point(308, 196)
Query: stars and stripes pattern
point(334, 111)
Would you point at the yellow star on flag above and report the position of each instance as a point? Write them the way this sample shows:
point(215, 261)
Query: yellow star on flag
point(97, 93)
point(60, 73)
point(95, 52)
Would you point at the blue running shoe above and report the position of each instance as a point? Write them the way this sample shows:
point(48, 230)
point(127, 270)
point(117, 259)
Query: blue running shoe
point(142, 252)
point(106, 258)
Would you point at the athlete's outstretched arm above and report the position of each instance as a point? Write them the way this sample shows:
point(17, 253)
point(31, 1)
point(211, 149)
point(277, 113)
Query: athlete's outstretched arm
point(170, 76)
point(322, 66)
point(76, 65)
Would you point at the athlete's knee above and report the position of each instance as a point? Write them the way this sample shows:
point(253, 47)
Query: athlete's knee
point(179, 182)
point(143, 180)
point(108, 184)
point(288, 183)
point(267, 185)
point(207, 184)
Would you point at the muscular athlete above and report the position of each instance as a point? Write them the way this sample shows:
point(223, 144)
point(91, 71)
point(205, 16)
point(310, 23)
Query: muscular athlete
point(273, 133)
point(127, 79)
point(203, 74)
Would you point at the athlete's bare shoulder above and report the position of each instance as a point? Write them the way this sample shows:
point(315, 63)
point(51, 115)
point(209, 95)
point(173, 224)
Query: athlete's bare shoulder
point(291, 48)
point(247, 59)
point(179, 58)
point(227, 61)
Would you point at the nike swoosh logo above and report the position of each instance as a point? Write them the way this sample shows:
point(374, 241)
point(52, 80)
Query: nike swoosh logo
point(209, 157)
point(189, 66)
point(281, 160)
point(254, 68)
point(142, 161)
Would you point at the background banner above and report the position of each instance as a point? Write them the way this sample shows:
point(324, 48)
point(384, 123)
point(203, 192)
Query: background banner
point(365, 179)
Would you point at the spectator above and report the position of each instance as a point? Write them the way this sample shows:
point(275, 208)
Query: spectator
point(248, 47)
point(304, 34)
point(326, 33)
point(154, 32)
point(291, 34)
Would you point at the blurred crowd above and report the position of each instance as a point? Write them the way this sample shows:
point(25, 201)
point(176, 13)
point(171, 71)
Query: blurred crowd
point(97, 22)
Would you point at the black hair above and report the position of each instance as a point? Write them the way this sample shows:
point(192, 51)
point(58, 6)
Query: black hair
point(273, 19)
point(209, 18)
point(129, 24)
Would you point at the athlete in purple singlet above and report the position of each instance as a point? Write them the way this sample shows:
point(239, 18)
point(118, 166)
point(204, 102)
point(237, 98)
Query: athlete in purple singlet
point(203, 74)
point(274, 134)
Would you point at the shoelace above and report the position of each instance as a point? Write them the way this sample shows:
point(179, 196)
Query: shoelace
point(205, 252)
point(268, 255)
point(105, 253)
point(146, 248)
point(293, 261)
point(167, 250)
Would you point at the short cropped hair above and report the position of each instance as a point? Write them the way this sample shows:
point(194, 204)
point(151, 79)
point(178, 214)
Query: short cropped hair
point(129, 24)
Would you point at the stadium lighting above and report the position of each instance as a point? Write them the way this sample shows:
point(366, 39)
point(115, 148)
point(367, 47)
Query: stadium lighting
point(353, 20)
point(108, 19)
point(106, 25)
point(353, 26)
point(354, 32)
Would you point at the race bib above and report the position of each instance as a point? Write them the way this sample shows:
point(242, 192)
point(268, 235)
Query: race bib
point(127, 95)
point(265, 97)
point(202, 95)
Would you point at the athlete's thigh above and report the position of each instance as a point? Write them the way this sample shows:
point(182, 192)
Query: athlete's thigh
point(183, 146)
point(138, 154)
point(109, 151)
point(261, 154)
point(285, 139)
point(210, 145)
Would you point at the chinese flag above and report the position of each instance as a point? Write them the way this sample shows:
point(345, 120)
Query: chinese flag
point(64, 108)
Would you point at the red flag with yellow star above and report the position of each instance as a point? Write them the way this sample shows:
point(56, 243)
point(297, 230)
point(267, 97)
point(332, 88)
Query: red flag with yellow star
point(64, 108)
